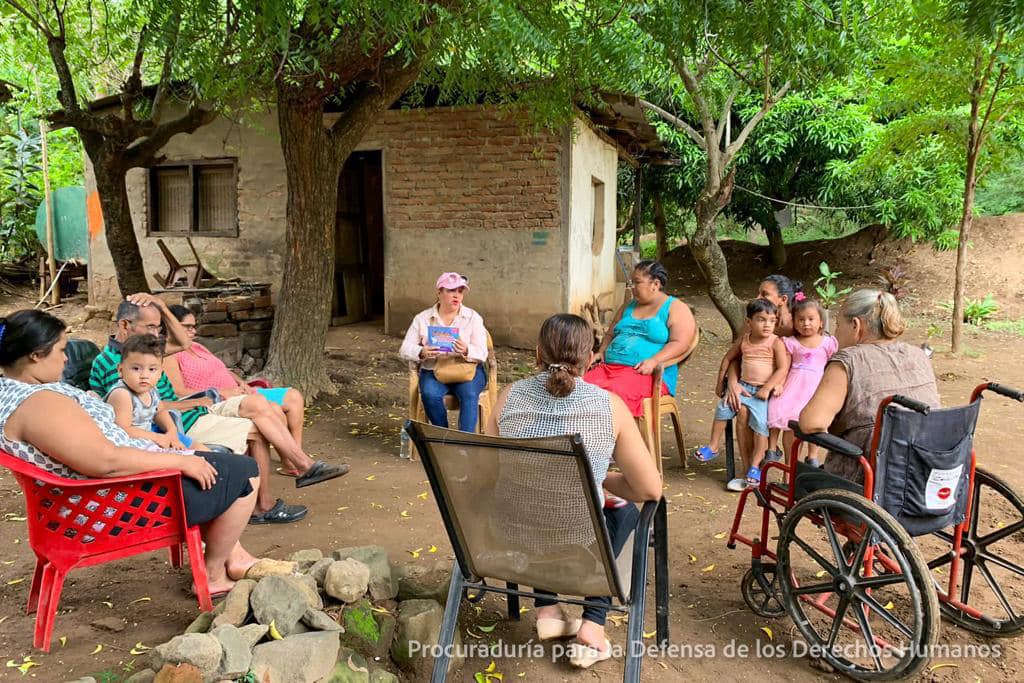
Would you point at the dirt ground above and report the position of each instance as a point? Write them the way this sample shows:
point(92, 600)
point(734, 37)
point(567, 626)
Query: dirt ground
point(380, 502)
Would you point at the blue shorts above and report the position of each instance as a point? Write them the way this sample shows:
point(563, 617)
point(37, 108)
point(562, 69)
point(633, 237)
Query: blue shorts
point(756, 407)
point(274, 394)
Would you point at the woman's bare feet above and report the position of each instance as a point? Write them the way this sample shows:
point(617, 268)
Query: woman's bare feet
point(218, 587)
point(239, 562)
point(592, 635)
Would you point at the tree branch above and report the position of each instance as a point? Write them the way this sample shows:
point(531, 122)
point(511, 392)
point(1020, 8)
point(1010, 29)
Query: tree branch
point(133, 86)
point(675, 121)
point(398, 73)
point(737, 144)
point(692, 86)
point(726, 114)
point(165, 74)
point(141, 153)
point(991, 105)
point(731, 67)
point(38, 24)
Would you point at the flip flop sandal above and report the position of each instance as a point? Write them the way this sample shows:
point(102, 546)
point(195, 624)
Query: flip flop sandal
point(705, 454)
point(320, 472)
point(280, 513)
point(287, 472)
point(754, 476)
point(583, 656)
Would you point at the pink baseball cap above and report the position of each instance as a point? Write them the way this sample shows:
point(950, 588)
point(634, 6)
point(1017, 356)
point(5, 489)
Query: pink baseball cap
point(452, 281)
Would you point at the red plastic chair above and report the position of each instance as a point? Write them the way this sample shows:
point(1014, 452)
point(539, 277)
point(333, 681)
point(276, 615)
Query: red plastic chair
point(82, 522)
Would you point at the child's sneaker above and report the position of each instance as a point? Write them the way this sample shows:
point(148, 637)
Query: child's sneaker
point(738, 484)
point(812, 462)
point(773, 455)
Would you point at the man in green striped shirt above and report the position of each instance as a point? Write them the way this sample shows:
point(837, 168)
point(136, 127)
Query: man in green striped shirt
point(143, 314)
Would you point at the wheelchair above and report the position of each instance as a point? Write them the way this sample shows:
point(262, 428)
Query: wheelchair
point(866, 571)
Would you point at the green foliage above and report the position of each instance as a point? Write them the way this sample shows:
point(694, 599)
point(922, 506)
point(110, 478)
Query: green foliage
point(825, 286)
point(19, 194)
point(1001, 192)
point(976, 311)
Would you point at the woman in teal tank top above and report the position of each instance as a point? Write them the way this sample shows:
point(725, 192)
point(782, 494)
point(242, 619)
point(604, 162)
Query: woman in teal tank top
point(649, 330)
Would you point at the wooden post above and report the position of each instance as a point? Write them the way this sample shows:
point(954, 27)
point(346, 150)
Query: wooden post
point(638, 189)
point(51, 259)
point(51, 249)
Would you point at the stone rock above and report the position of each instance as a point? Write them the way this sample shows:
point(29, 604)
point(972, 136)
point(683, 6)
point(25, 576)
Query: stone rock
point(347, 580)
point(383, 585)
point(296, 659)
point(227, 349)
point(246, 364)
point(236, 651)
point(351, 668)
point(277, 599)
point(419, 621)
point(111, 624)
point(382, 676)
point(259, 354)
point(307, 555)
point(239, 304)
point(250, 325)
point(144, 676)
point(427, 581)
point(201, 650)
point(181, 673)
point(214, 306)
point(263, 301)
point(254, 339)
point(319, 570)
point(217, 330)
point(367, 631)
point(236, 604)
point(253, 633)
point(320, 621)
point(241, 315)
point(202, 623)
point(213, 317)
point(307, 584)
point(262, 313)
point(268, 567)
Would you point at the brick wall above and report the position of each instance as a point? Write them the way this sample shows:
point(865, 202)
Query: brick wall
point(466, 168)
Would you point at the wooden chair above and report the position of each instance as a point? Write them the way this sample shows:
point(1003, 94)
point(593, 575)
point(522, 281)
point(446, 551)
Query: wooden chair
point(498, 534)
point(656, 407)
point(488, 398)
point(76, 523)
point(193, 274)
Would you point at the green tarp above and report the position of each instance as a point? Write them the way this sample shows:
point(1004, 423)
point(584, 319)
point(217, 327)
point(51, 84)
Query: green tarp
point(70, 225)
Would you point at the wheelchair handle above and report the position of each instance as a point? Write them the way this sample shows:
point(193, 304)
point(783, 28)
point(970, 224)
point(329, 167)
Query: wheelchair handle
point(1008, 392)
point(826, 440)
point(916, 406)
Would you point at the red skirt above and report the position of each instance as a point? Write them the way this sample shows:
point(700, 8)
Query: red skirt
point(626, 382)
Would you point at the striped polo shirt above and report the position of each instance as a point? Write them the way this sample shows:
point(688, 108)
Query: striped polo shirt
point(104, 376)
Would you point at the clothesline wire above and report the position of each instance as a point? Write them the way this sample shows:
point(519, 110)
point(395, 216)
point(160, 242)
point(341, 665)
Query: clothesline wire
point(802, 206)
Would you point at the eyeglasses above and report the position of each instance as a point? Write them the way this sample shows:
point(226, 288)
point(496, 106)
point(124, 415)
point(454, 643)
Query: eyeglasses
point(188, 327)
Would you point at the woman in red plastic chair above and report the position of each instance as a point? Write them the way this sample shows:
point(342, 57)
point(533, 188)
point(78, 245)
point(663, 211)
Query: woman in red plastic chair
point(219, 489)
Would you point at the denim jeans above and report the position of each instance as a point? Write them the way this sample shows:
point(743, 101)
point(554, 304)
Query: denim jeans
point(621, 522)
point(432, 394)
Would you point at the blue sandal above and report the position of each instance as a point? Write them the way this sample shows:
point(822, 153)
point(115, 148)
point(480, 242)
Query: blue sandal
point(705, 454)
point(754, 476)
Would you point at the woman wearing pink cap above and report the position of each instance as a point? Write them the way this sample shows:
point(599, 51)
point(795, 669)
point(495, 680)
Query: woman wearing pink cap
point(469, 344)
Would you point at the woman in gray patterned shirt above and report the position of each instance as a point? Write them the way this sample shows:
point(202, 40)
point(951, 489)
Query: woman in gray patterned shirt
point(219, 489)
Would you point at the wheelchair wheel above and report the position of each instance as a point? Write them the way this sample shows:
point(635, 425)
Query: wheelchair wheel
point(761, 601)
point(871, 621)
point(990, 582)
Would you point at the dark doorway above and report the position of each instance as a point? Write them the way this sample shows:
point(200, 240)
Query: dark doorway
point(359, 241)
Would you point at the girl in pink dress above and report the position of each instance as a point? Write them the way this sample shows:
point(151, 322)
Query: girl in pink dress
point(810, 351)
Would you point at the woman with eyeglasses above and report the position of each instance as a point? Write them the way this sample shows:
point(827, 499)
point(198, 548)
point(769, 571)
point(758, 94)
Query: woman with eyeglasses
point(649, 330)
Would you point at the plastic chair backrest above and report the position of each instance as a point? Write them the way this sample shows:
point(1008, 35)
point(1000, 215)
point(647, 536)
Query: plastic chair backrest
point(923, 465)
point(72, 519)
point(523, 511)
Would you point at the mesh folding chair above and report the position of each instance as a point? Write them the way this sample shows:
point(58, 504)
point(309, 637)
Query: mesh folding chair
point(528, 512)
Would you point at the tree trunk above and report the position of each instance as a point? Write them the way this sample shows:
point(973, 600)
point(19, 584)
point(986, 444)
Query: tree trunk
point(776, 245)
point(117, 223)
point(659, 227)
point(966, 220)
point(313, 165)
point(708, 254)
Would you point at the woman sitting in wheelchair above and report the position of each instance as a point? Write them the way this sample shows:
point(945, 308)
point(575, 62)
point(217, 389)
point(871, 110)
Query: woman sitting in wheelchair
point(870, 365)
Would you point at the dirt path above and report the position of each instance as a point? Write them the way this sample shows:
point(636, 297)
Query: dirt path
point(381, 502)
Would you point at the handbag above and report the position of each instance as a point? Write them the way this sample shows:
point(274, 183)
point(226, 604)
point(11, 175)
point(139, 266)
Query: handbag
point(451, 370)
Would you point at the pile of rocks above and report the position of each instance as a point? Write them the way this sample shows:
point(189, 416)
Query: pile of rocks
point(235, 328)
point(351, 617)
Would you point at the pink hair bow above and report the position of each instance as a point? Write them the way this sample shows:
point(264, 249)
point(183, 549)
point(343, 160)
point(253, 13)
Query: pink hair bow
point(799, 296)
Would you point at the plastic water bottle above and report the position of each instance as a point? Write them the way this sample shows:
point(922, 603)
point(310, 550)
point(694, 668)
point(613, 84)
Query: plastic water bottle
point(405, 450)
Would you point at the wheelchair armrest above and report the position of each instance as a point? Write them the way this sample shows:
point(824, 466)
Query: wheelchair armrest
point(1006, 391)
point(826, 440)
